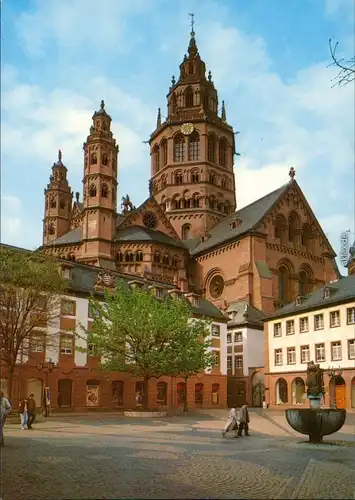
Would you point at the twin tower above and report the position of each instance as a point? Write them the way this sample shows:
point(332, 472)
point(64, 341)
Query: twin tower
point(192, 176)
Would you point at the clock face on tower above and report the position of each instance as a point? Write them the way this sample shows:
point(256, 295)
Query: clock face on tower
point(187, 128)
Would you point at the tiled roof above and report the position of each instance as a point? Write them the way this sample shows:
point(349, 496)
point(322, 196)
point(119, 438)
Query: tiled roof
point(244, 314)
point(341, 290)
point(250, 216)
point(84, 277)
point(73, 236)
point(143, 234)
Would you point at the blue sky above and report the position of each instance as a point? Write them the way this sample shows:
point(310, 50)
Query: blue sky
point(268, 60)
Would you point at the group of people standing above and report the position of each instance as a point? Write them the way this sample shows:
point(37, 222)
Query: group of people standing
point(234, 418)
point(27, 410)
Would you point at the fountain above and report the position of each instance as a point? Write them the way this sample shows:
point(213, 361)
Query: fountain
point(315, 421)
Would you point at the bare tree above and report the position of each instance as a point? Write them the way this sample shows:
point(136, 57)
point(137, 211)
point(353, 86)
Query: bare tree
point(30, 292)
point(346, 68)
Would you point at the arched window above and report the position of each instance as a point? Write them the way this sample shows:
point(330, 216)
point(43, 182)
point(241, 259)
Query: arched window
point(181, 393)
point(166, 260)
point(119, 257)
point(176, 203)
point(105, 159)
point(156, 257)
point(212, 178)
point(156, 159)
point(51, 229)
point(280, 228)
point(191, 68)
point(195, 201)
point(131, 257)
point(92, 191)
point(281, 391)
point(104, 191)
point(206, 102)
point(93, 159)
point(185, 232)
point(195, 176)
point(212, 202)
point(162, 393)
point(139, 256)
point(164, 152)
point(174, 262)
point(194, 146)
point(223, 182)
point(163, 181)
point(293, 229)
point(178, 178)
point(126, 257)
point(186, 202)
point(283, 278)
point(211, 148)
point(179, 148)
point(223, 152)
point(307, 237)
point(53, 203)
point(304, 282)
point(189, 97)
point(198, 394)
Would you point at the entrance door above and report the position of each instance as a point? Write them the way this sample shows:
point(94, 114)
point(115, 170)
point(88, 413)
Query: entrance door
point(64, 393)
point(92, 393)
point(340, 396)
point(35, 386)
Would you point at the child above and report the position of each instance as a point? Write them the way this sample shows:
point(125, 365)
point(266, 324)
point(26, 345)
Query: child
point(23, 413)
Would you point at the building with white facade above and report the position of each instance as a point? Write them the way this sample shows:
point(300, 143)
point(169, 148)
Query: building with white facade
point(245, 355)
point(321, 328)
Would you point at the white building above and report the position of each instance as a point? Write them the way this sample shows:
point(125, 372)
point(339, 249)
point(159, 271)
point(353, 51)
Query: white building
point(245, 355)
point(321, 328)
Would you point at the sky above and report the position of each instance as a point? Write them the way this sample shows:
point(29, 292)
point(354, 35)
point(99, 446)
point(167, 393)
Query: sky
point(269, 60)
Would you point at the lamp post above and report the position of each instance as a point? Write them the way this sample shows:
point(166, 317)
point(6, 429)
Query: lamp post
point(46, 367)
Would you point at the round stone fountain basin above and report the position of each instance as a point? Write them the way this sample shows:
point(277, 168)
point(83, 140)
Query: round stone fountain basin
point(316, 423)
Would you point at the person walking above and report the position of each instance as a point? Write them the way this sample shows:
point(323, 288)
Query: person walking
point(23, 413)
point(232, 423)
point(244, 421)
point(5, 409)
point(31, 410)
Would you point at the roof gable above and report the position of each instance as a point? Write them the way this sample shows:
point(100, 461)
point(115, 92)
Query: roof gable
point(249, 217)
point(136, 218)
point(294, 197)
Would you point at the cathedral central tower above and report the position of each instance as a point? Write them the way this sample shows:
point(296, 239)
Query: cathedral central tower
point(192, 152)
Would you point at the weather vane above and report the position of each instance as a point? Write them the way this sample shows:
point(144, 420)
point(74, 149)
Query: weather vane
point(192, 15)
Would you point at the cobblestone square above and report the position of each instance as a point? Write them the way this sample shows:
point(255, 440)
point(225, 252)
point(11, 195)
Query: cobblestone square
point(91, 457)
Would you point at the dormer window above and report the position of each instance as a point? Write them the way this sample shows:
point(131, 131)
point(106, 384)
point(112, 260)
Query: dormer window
point(326, 293)
point(236, 223)
point(66, 273)
point(158, 293)
point(298, 300)
point(195, 301)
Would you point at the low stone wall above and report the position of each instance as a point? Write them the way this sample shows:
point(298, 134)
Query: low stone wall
point(145, 414)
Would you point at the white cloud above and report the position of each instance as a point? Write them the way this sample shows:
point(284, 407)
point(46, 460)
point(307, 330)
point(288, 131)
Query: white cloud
point(80, 24)
point(12, 203)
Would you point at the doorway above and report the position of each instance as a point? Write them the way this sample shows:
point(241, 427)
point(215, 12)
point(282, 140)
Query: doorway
point(65, 393)
point(35, 386)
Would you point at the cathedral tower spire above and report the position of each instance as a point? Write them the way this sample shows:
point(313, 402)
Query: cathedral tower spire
point(192, 151)
point(58, 203)
point(100, 191)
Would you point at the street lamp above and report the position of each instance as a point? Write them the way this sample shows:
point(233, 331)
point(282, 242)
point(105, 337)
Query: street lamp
point(46, 367)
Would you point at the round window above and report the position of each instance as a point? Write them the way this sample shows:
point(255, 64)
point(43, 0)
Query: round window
point(150, 220)
point(216, 286)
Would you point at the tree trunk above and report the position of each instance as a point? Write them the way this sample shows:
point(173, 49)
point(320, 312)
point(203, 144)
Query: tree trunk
point(185, 400)
point(145, 393)
point(10, 381)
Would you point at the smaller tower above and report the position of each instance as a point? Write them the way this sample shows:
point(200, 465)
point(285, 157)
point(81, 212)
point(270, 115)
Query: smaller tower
point(100, 192)
point(58, 203)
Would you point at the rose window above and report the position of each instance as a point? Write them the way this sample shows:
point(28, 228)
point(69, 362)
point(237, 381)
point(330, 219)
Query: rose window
point(216, 286)
point(150, 220)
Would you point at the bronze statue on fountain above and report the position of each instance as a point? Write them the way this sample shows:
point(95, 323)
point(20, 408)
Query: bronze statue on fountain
point(315, 421)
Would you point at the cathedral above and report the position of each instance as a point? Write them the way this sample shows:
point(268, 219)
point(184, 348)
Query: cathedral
point(189, 232)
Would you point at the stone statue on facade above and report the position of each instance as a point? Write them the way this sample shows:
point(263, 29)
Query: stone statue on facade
point(126, 204)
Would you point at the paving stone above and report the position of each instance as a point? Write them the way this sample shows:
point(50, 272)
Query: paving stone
point(98, 459)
